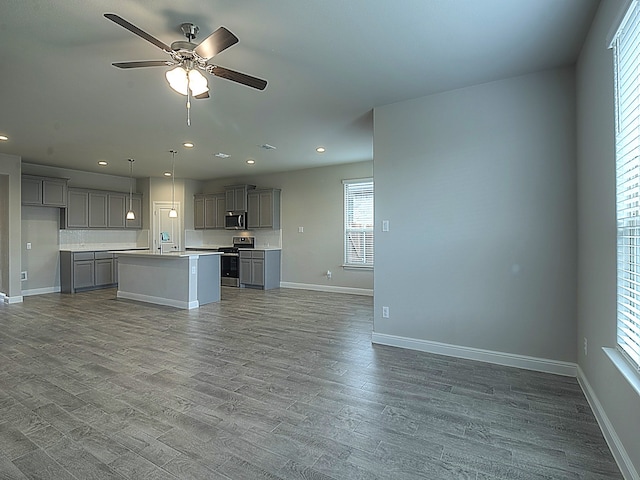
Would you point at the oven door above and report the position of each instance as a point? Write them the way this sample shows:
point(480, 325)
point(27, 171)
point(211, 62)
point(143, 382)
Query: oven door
point(230, 270)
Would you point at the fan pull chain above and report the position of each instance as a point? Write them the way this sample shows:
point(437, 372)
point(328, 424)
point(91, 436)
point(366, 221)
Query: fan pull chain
point(188, 101)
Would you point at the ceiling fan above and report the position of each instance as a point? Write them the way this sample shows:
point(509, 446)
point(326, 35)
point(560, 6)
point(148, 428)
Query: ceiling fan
point(189, 59)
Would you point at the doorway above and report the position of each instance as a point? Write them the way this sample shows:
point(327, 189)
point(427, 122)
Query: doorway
point(166, 230)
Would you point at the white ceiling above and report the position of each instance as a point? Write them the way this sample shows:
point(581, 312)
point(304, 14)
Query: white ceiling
point(328, 64)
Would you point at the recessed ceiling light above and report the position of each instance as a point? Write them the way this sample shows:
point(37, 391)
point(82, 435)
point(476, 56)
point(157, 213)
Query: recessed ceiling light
point(102, 163)
point(251, 161)
point(167, 174)
point(221, 155)
point(3, 138)
point(320, 150)
point(187, 145)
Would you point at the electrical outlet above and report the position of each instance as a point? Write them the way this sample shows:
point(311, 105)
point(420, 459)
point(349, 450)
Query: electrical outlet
point(585, 346)
point(385, 312)
point(329, 274)
point(28, 245)
point(385, 225)
point(23, 275)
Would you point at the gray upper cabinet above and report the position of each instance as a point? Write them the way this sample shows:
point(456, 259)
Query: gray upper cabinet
point(100, 209)
point(263, 209)
point(116, 210)
point(236, 197)
point(209, 210)
point(136, 206)
point(44, 191)
point(77, 211)
point(198, 212)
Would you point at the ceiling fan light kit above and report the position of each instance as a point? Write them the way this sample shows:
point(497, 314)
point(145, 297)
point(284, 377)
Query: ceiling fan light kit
point(189, 58)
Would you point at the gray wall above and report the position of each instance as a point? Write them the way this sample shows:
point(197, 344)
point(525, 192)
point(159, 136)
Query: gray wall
point(312, 199)
point(479, 187)
point(597, 232)
point(10, 257)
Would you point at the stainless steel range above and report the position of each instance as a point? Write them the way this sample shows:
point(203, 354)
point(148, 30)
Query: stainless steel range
point(230, 260)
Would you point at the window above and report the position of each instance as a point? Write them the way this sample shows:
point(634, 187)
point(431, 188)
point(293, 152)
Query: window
point(358, 223)
point(626, 46)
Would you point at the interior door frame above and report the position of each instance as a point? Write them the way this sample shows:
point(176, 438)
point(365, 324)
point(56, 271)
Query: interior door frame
point(155, 227)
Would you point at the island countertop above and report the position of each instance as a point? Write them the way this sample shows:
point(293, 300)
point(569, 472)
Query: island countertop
point(176, 254)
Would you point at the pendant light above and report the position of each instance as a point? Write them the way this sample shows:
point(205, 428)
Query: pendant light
point(173, 213)
point(130, 214)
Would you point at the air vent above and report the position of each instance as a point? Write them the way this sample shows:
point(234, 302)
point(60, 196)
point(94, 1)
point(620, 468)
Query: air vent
point(221, 155)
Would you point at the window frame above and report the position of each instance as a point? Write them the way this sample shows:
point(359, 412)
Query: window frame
point(626, 45)
point(366, 231)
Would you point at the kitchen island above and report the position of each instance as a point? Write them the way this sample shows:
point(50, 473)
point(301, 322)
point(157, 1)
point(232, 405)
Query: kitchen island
point(177, 279)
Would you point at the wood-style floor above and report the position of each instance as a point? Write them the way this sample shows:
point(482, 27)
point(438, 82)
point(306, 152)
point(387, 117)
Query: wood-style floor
point(265, 385)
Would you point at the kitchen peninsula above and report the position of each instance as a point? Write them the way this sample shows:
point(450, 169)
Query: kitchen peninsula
point(178, 279)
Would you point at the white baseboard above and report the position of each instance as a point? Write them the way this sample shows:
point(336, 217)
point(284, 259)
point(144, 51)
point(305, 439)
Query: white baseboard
point(16, 299)
point(500, 358)
point(615, 445)
point(328, 288)
point(40, 291)
point(158, 300)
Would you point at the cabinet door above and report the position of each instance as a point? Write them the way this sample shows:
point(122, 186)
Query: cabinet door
point(245, 271)
point(257, 271)
point(198, 212)
point(83, 274)
point(230, 200)
point(136, 206)
point(221, 210)
point(210, 212)
point(77, 209)
point(104, 272)
point(253, 210)
point(240, 195)
point(31, 190)
point(97, 210)
point(54, 192)
point(116, 210)
point(266, 209)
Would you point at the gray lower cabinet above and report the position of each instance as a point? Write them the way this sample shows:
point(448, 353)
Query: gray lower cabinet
point(260, 269)
point(87, 271)
point(44, 191)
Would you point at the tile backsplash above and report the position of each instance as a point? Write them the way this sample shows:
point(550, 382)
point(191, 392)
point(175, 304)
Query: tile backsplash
point(104, 238)
point(264, 238)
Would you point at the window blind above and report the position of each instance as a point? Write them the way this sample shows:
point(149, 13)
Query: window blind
point(626, 46)
point(358, 222)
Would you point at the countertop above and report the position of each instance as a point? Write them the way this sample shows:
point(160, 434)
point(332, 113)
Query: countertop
point(215, 247)
point(173, 254)
point(95, 248)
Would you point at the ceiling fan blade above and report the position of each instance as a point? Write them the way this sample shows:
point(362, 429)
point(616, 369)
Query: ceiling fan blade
point(238, 77)
point(148, 63)
point(141, 33)
point(215, 43)
point(202, 95)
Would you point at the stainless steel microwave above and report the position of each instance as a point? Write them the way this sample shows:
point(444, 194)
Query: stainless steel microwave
point(235, 220)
